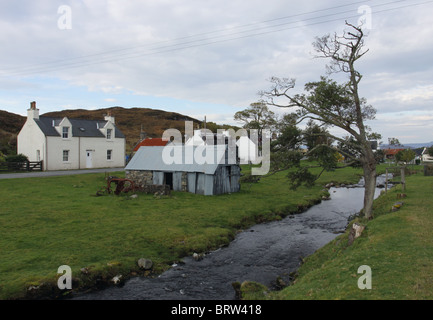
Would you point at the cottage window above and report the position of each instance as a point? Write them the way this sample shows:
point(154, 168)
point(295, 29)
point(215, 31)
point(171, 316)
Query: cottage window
point(65, 133)
point(65, 155)
point(109, 154)
point(109, 131)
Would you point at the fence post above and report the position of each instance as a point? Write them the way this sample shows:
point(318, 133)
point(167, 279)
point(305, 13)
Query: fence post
point(403, 181)
point(386, 181)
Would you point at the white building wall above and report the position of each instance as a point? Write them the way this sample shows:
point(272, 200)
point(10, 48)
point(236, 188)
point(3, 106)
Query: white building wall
point(79, 148)
point(98, 148)
point(427, 158)
point(54, 153)
point(31, 139)
point(247, 150)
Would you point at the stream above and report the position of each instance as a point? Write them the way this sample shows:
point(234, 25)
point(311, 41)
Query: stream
point(261, 253)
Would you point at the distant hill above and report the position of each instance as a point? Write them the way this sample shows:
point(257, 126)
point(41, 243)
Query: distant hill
point(10, 126)
point(129, 120)
point(132, 120)
point(418, 145)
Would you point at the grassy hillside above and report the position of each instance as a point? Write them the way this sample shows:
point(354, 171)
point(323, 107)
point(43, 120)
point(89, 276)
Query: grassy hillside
point(130, 121)
point(10, 126)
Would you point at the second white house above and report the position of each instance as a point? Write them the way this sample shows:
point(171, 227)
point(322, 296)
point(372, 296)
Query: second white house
point(63, 143)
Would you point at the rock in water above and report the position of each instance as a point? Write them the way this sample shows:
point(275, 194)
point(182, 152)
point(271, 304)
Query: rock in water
point(145, 264)
point(117, 279)
point(197, 257)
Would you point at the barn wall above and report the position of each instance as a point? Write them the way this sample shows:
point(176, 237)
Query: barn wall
point(208, 185)
point(158, 177)
point(225, 180)
point(140, 178)
point(199, 185)
point(221, 180)
point(235, 185)
point(191, 181)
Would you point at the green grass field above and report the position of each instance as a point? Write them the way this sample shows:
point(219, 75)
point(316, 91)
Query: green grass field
point(54, 221)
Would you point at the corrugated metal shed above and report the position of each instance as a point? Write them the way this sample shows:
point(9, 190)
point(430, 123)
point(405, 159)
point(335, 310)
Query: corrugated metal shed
point(196, 169)
point(204, 159)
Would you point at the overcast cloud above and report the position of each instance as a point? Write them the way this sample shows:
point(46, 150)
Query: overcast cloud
point(209, 58)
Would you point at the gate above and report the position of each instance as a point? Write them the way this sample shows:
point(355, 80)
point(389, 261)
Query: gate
point(21, 166)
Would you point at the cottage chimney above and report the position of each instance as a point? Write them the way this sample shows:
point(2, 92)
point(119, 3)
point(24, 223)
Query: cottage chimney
point(109, 117)
point(33, 113)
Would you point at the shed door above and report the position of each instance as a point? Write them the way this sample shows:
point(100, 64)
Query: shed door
point(191, 181)
point(168, 179)
point(199, 185)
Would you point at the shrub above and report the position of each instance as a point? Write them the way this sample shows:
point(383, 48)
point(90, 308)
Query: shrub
point(17, 158)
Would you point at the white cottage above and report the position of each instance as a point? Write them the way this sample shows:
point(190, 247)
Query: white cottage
point(246, 148)
point(63, 143)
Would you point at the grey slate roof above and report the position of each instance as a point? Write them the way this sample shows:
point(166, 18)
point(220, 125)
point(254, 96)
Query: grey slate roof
point(80, 128)
point(152, 159)
point(46, 125)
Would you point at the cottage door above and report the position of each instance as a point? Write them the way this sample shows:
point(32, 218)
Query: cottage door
point(89, 161)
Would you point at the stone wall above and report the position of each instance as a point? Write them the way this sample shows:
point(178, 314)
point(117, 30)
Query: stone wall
point(184, 183)
point(156, 189)
point(143, 181)
point(140, 178)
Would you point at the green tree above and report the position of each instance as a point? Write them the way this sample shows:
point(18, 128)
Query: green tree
point(336, 105)
point(289, 135)
point(257, 116)
point(285, 149)
point(394, 142)
point(406, 156)
point(315, 134)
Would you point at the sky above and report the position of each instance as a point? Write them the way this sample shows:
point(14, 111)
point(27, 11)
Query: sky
point(211, 58)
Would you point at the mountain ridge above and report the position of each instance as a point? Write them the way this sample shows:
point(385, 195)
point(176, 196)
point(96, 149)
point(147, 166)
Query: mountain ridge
point(407, 145)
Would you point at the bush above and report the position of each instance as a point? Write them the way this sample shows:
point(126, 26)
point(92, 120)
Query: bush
point(17, 158)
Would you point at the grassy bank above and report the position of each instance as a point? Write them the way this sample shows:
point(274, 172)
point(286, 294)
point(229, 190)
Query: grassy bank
point(397, 246)
point(54, 221)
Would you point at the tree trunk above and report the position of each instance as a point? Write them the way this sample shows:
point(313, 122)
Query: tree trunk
point(370, 188)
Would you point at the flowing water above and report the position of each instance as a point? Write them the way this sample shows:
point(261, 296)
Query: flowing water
point(262, 253)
